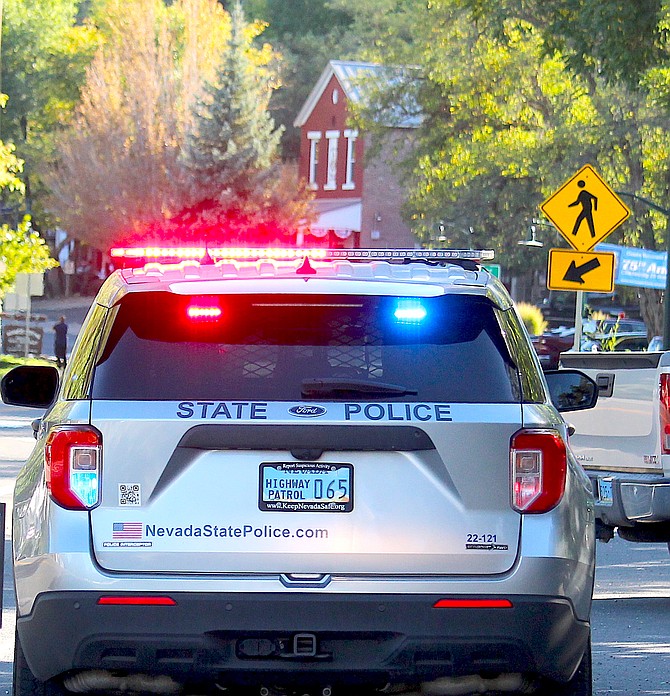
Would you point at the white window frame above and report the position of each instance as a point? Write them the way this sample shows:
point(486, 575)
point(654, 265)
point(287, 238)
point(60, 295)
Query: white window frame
point(349, 183)
point(314, 138)
point(333, 138)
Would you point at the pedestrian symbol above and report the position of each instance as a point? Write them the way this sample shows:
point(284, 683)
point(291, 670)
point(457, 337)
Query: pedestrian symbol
point(585, 209)
point(589, 203)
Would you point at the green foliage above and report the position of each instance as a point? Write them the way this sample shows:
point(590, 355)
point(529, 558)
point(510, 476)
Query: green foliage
point(385, 30)
point(303, 17)
point(232, 152)
point(21, 251)
point(45, 51)
point(618, 38)
point(9, 362)
point(532, 318)
point(234, 135)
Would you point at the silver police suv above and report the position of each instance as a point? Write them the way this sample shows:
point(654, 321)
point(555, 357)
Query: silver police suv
point(312, 475)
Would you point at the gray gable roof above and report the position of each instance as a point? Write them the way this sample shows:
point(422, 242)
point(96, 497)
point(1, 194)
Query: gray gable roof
point(359, 81)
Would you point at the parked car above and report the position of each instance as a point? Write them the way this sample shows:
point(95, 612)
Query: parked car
point(607, 342)
point(597, 335)
point(656, 343)
point(290, 476)
point(559, 307)
point(551, 344)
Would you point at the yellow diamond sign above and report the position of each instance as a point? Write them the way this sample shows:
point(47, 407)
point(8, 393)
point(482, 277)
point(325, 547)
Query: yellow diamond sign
point(585, 209)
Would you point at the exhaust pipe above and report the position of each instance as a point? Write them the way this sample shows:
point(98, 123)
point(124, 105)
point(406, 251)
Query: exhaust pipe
point(102, 681)
point(476, 684)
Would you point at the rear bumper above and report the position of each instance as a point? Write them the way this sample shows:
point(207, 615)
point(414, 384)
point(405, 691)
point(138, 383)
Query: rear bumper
point(251, 638)
point(627, 501)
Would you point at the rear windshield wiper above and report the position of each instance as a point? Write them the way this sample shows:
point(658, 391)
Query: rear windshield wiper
point(335, 386)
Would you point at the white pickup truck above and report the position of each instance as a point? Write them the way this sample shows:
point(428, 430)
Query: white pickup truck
point(624, 442)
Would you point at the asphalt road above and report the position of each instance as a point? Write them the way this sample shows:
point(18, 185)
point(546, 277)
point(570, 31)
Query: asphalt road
point(631, 612)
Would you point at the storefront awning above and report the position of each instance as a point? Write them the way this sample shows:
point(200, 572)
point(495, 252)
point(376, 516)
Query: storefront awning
point(341, 216)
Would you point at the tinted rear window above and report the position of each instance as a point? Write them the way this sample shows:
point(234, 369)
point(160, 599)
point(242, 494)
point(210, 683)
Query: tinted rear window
point(445, 348)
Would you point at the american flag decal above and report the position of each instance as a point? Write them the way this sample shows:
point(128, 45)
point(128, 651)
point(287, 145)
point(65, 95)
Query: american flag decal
point(127, 530)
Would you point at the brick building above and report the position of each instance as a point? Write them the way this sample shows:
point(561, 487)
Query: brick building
point(357, 197)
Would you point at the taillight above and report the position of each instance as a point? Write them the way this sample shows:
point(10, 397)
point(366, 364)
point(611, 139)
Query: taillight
point(538, 468)
point(664, 397)
point(73, 459)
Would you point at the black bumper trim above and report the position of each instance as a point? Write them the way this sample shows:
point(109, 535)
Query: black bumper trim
point(358, 638)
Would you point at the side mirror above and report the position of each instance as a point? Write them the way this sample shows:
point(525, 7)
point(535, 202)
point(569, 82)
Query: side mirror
point(34, 386)
point(571, 390)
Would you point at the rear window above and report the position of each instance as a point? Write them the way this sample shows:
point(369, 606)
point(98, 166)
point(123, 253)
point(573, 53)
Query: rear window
point(288, 348)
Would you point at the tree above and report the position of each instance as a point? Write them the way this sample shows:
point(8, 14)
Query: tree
point(118, 176)
point(307, 34)
point(624, 39)
point(22, 250)
point(506, 121)
point(45, 51)
point(232, 153)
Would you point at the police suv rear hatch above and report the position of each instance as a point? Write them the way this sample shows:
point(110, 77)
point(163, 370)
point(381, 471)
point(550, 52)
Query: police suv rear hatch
point(306, 432)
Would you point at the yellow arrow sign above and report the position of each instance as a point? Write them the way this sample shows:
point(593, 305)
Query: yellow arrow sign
point(585, 209)
point(575, 270)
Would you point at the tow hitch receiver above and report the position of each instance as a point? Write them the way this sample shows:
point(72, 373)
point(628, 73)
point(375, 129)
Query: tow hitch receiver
point(300, 647)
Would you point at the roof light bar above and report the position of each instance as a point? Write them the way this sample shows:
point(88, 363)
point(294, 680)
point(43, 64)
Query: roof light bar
point(279, 253)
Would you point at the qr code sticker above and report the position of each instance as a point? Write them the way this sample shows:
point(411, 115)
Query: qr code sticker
point(130, 494)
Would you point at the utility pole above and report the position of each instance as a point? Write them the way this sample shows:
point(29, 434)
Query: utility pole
point(666, 295)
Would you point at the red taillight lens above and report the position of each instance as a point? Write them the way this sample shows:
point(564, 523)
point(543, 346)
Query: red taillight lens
point(473, 604)
point(137, 601)
point(73, 459)
point(538, 467)
point(664, 397)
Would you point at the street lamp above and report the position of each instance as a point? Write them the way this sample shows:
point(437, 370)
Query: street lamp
point(666, 296)
point(533, 241)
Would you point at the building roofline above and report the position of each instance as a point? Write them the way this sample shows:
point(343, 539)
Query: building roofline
point(334, 67)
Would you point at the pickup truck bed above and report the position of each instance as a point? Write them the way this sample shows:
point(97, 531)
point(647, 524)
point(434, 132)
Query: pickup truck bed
point(624, 443)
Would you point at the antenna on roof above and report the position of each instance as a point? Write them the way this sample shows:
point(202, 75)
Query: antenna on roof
point(206, 259)
point(306, 268)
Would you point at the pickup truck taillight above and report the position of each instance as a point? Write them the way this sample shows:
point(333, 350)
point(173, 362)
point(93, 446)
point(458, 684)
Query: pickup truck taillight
point(664, 397)
point(73, 459)
point(538, 461)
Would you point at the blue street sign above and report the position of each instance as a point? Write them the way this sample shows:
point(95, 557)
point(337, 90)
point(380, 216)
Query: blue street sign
point(638, 268)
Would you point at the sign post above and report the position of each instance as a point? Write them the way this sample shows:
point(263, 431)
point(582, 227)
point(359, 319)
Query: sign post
point(27, 286)
point(584, 210)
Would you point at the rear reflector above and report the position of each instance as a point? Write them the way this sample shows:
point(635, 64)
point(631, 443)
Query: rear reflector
point(149, 601)
point(473, 604)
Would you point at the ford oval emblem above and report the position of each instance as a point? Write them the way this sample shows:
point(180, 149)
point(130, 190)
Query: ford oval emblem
point(307, 411)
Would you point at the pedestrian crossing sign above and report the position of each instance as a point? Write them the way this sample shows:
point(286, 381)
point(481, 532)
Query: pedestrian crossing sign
point(585, 209)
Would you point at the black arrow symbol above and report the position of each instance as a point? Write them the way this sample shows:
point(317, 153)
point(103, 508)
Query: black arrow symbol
point(575, 274)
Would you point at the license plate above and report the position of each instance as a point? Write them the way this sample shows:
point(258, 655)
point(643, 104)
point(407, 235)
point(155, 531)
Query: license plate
point(306, 487)
point(605, 496)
